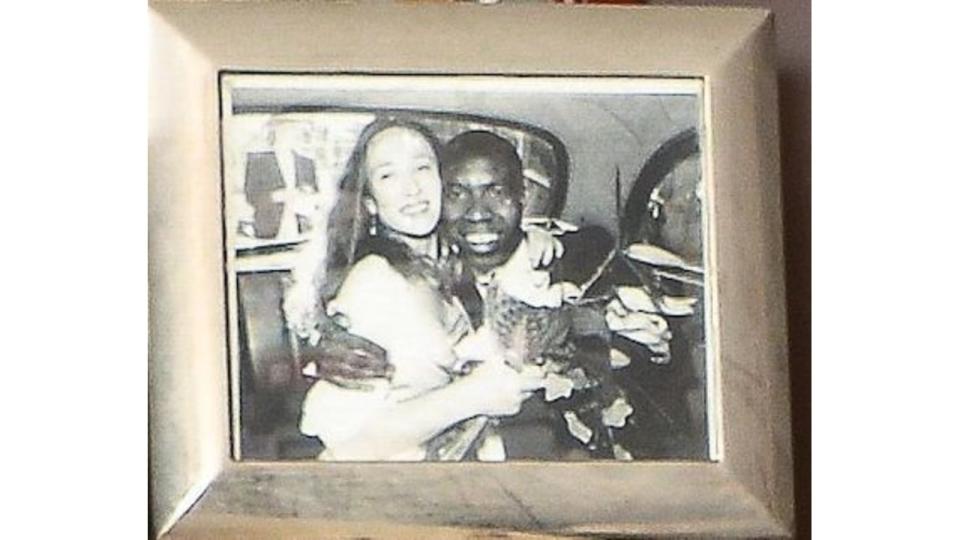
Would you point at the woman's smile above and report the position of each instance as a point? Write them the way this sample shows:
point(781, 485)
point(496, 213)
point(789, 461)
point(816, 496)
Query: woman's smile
point(404, 181)
point(415, 208)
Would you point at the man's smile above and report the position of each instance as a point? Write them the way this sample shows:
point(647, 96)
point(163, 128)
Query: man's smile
point(482, 242)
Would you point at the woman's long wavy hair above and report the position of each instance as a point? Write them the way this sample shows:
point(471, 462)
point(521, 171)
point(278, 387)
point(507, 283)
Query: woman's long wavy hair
point(347, 236)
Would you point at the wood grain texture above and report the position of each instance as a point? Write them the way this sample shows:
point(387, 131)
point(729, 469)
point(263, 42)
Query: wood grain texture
point(747, 493)
point(751, 314)
point(560, 498)
point(187, 334)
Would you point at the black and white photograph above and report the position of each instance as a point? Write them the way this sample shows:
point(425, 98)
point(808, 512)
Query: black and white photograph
point(467, 268)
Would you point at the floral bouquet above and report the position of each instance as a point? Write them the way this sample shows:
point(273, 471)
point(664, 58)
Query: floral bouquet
point(568, 336)
point(526, 326)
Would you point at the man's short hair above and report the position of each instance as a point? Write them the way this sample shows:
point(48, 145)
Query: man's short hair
point(484, 145)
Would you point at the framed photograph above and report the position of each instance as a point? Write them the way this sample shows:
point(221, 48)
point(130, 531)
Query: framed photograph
point(482, 278)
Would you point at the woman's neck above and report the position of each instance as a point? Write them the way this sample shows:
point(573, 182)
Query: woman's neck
point(425, 246)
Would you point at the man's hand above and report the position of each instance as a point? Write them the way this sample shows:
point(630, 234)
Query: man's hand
point(346, 360)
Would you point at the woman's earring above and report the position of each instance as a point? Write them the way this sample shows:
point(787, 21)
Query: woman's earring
point(371, 208)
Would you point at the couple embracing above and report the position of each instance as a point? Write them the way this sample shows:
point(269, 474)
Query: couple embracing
point(417, 243)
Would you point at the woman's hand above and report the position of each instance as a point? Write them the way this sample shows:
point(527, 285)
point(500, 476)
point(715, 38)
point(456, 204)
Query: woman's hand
point(542, 247)
point(496, 389)
point(479, 346)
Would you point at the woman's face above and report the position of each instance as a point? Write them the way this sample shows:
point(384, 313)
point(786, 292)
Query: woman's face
point(404, 181)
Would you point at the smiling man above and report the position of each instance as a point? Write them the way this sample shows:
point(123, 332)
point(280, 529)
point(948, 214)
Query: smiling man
point(483, 205)
point(483, 208)
point(484, 193)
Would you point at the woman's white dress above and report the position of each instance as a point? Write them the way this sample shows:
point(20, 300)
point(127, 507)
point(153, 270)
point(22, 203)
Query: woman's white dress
point(416, 327)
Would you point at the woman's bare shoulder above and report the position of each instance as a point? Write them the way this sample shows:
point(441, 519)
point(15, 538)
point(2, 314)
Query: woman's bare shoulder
point(371, 271)
point(370, 281)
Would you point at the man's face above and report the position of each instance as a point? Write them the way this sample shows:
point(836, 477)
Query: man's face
point(679, 220)
point(482, 211)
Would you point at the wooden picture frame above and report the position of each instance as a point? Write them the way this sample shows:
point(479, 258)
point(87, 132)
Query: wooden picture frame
point(198, 490)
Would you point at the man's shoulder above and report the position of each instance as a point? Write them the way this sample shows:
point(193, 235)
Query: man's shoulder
point(583, 252)
point(589, 238)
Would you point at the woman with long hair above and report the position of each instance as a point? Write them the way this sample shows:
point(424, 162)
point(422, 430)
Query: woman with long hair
point(385, 274)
